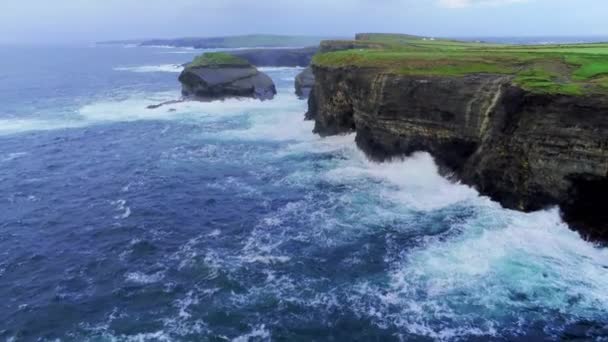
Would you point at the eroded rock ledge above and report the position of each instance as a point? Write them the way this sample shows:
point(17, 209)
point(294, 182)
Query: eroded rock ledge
point(526, 150)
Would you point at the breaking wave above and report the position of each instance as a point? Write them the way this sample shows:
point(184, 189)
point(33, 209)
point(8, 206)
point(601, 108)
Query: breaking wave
point(246, 226)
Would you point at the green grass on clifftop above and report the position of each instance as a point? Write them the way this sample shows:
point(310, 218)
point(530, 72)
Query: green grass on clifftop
point(571, 69)
point(217, 59)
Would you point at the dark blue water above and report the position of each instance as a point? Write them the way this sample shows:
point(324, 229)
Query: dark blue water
point(232, 221)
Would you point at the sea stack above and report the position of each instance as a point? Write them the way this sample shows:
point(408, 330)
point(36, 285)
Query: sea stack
point(304, 83)
point(216, 76)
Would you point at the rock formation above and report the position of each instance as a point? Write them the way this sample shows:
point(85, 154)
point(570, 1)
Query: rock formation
point(304, 82)
point(218, 75)
point(526, 150)
point(277, 57)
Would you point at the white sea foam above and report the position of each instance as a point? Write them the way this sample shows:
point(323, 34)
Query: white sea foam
point(158, 336)
point(174, 68)
point(267, 259)
point(184, 304)
point(16, 125)
point(133, 107)
point(497, 267)
point(143, 278)
point(494, 262)
point(13, 156)
point(471, 278)
point(215, 233)
point(259, 333)
point(414, 182)
point(121, 206)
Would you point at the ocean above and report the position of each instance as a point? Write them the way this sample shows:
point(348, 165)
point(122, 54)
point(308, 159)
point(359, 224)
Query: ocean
point(232, 221)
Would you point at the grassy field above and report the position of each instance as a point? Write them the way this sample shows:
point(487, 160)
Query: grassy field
point(572, 69)
point(216, 59)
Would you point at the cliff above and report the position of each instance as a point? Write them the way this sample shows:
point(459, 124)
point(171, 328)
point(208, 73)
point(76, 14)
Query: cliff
point(525, 149)
point(277, 57)
point(240, 41)
point(218, 75)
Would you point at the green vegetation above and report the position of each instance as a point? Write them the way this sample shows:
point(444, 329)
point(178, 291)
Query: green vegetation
point(217, 59)
point(573, 69)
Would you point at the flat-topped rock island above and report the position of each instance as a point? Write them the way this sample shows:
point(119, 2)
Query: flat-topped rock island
point(214, 76)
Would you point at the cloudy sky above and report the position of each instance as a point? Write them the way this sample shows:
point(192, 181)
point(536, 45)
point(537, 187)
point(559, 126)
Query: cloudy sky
point(67, 21)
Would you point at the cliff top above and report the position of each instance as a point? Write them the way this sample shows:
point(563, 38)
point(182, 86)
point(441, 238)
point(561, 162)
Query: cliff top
point(572, 69)
point(216, 60)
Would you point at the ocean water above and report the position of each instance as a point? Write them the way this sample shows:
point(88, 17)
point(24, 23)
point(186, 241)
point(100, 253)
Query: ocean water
point(231, 221)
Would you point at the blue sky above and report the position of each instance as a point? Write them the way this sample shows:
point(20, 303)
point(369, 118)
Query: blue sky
point(65, 21)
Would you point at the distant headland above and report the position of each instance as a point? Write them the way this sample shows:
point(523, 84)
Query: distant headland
point(228, 42)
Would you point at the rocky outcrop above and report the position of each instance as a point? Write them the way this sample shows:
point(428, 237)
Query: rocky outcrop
point(525, 150)
point(277, 57)
point(223, 81)
point(304, 82)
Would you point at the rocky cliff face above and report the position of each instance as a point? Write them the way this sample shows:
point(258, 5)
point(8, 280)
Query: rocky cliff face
point(304, 82)
point(527, 151)
point(218, 82)
point(277, 57)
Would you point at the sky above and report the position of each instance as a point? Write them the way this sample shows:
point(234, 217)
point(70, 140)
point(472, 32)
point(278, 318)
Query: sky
point(74, 21)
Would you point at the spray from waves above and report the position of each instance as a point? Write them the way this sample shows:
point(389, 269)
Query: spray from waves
point(499, 277)
point(143, 278)
point(12, 126)
point(501, 266)
point(259, 333)
point(173, 68)
point(414, 181)
point(492, 273)
point(121, 207)
point(134, 108)
point(13, 156)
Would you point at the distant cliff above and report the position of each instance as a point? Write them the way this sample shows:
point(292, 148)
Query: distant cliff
point(230, 42)
point(526, 150)
point(299, 57)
